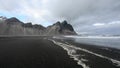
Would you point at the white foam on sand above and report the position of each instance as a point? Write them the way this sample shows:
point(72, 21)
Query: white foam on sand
point(71, 49)
point(72, 53)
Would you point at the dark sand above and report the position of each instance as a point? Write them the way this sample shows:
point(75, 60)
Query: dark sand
point(33, 52)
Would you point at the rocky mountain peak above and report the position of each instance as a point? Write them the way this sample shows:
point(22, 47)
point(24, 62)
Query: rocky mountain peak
point(2, 18)
point(13, 21)
point(13, 26)
point(57, 23)
point(66, 26)
point(36, 26)
point(61, 28)
point(64, 23)
point(29, 25)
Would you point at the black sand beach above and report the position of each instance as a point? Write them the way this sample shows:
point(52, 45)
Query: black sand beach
point(42, 52)
point(33, 52)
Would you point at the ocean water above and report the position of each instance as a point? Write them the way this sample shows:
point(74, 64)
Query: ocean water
point(113, 42)
point(88, 58)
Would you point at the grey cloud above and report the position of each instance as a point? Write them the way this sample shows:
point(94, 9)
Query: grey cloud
point(69, 9)
point(73, 9)
point(106, 28)
point(83, 13)
point(9, 5)
point(80, 13)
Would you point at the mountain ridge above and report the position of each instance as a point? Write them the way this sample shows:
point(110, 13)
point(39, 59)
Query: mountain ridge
point(13, 26)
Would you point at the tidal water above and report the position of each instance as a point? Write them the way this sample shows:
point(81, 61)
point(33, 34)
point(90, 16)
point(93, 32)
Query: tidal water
point(113, 42)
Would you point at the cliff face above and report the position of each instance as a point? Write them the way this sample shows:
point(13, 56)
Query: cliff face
point(61, 29)
point(13, 26)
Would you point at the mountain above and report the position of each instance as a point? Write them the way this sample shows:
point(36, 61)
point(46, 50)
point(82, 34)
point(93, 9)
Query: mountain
point(61, 29)
point(13, 26)
point(2, 18)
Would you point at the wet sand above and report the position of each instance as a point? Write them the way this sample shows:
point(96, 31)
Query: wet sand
point(33, 52)
point(95, 56)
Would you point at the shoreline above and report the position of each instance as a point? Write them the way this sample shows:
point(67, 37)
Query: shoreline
point(33, 52)
point(42, 52)
point(93, 56)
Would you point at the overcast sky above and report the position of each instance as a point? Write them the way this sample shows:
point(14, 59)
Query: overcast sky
point(86, 16)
